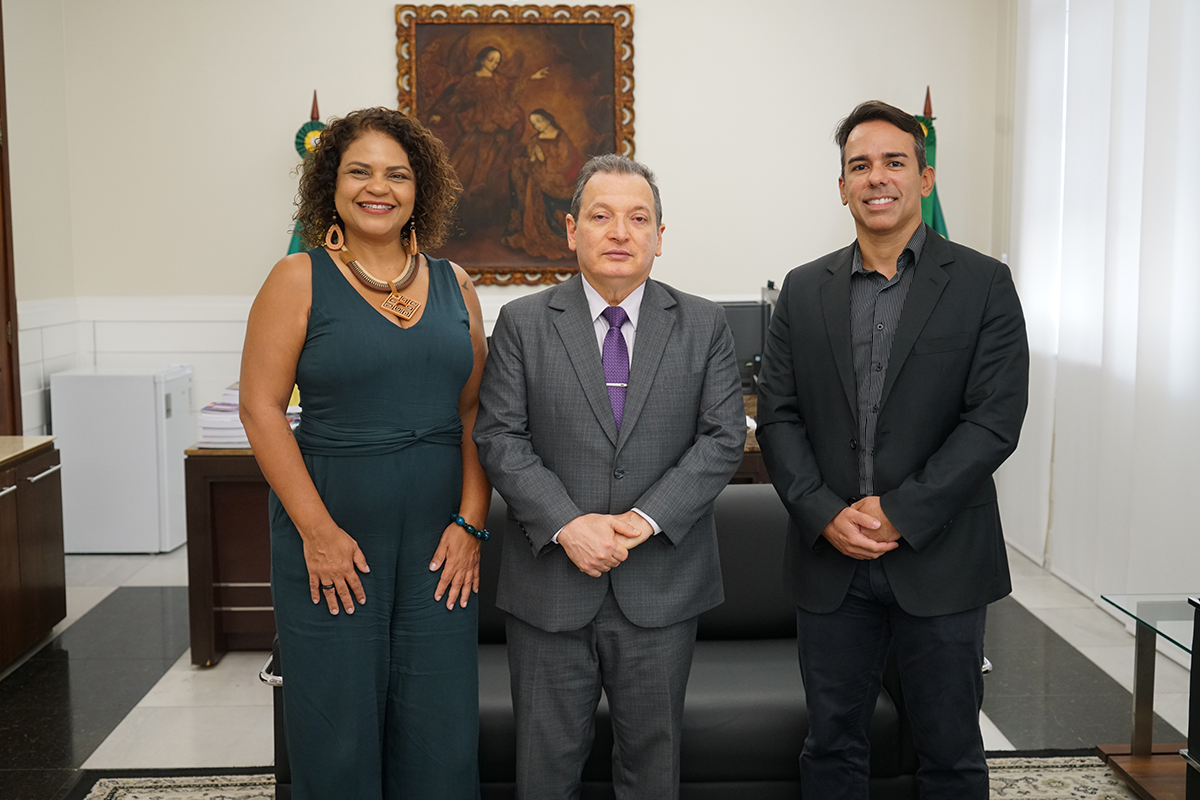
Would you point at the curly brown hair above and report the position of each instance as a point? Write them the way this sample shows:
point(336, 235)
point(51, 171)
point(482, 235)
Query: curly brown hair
point(437, 185)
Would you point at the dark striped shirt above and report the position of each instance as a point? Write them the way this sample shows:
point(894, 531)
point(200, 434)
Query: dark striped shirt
point(876, 304)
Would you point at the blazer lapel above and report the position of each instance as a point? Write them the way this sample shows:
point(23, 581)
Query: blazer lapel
point(835, 303)
point(575, 328)
point(928, 282)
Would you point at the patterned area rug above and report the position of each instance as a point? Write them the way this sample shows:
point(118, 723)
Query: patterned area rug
point(1056, 779)
point(1073, 778)
point(212, 787)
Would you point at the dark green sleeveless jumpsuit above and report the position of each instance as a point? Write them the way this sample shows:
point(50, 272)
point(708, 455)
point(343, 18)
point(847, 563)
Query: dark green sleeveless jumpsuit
point(382, 703)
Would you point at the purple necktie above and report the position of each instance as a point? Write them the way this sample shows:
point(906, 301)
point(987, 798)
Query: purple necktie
point(615, 356)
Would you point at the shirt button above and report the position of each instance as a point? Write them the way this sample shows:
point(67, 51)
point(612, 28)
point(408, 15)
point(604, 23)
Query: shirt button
point(618, 474)
point(854, 444)
point(879, 367)
point(879, 327)
point(875, 408)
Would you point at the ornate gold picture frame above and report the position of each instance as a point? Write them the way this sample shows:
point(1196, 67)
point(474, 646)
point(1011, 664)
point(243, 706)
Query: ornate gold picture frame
point(522, 96)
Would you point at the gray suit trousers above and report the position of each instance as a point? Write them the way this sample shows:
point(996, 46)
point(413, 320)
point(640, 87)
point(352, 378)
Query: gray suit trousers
point(556, 684)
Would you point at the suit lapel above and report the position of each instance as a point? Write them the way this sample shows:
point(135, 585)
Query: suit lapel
point(928, 282)
point(835, 303)
point(654, 329)
point(578, 333)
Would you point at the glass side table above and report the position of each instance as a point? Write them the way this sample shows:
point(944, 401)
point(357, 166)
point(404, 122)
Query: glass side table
point(1176, 618)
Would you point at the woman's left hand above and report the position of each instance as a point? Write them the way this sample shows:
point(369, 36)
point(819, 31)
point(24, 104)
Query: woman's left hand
point(458, 551)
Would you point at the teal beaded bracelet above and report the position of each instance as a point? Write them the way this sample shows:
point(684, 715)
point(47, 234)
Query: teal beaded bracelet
point(478, 533)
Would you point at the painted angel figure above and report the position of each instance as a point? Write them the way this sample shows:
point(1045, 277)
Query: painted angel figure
point(479, 117)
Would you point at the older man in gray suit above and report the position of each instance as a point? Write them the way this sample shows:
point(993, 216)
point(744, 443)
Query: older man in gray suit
point(610, 417)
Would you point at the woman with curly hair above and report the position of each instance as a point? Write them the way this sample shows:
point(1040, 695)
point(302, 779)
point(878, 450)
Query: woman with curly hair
point(374, 553)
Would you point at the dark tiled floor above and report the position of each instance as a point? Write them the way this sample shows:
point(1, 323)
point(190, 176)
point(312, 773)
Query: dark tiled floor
point(58, 707)
point(37, 784)
point(1045, 694)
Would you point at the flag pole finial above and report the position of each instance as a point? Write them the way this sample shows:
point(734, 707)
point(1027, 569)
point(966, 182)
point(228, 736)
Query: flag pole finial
point(316, 115)
point(928, 104)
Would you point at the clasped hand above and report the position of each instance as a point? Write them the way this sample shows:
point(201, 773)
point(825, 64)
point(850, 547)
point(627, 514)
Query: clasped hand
point(597, 543)
point(862, 531)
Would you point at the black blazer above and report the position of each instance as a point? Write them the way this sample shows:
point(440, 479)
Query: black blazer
point(953, 402)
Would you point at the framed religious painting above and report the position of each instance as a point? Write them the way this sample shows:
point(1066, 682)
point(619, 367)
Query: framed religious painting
point(522, 96)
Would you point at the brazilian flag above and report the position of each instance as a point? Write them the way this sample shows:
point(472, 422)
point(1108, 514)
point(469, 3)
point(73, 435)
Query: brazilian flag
point(931, 208)
point(306, 141)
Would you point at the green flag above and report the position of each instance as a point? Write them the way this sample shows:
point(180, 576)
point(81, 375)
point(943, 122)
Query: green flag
point(306, 141)
point(296, 246)
point(931, 208)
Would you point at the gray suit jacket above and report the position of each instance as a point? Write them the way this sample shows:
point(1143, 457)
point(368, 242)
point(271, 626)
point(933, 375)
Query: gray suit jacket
point(548, 442)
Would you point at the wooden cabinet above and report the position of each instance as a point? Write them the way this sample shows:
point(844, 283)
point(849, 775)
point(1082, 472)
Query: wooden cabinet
point(11, 635)
point(40, 530)
point(229, 554)
point(33, 595)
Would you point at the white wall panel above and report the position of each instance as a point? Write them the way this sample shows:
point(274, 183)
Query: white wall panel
point(29, 343)
point(60, 340)
point(183, 308)
point(31, 377)
point(170, 337)
point(34, 411)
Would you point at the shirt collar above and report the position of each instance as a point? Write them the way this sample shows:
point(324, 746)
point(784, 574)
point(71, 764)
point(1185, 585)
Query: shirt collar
point(632, 304)
point(916, 244)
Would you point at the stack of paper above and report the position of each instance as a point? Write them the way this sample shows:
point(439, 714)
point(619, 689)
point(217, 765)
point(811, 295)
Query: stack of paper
point(221, 427)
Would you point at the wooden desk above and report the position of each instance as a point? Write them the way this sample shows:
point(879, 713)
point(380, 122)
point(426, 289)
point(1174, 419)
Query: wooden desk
point(229, 554)
point(752, 470)
point(229, 548)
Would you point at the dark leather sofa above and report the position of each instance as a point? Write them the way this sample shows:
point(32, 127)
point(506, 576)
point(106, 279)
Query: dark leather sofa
point(744, 719)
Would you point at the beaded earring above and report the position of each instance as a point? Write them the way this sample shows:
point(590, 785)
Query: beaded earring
point(334, 238)
point(413, 249)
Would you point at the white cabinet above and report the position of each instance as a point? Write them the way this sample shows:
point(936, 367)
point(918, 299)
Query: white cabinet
point(122, 437)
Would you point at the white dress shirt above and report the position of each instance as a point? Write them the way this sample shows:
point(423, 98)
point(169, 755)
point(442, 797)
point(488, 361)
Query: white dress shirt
point(633, 306)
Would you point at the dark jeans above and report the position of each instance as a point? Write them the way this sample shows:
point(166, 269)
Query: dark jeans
point(940, 660)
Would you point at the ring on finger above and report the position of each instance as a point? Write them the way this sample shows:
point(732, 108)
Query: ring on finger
point(326, 587)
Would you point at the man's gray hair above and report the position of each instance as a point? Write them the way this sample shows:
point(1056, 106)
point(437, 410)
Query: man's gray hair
point(611, 163)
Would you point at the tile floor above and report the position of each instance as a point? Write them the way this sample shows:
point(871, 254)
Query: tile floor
point(1089, 626)
point(115, 688)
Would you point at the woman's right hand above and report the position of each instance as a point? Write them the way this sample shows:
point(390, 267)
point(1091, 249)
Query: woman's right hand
point(331, 557)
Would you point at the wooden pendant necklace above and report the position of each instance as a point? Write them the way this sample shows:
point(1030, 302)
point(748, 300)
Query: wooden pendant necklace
point(395, 303)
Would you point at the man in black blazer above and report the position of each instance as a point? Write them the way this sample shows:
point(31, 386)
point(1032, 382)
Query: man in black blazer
point(894, 383)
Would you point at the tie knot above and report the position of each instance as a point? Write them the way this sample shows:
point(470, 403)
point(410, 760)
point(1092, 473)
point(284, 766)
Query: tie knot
point(615, 315)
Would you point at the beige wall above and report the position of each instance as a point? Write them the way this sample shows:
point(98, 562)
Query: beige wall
point(35, 73)
point(152, 141)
